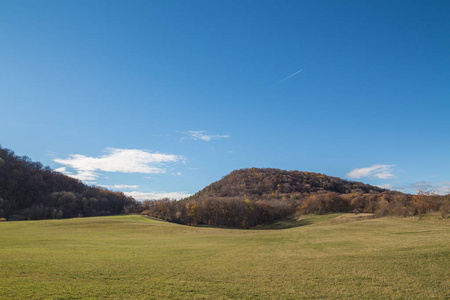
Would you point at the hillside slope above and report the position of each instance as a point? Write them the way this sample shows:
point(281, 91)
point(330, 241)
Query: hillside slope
point(28, 190)
point(250, 197)
point(275, 183)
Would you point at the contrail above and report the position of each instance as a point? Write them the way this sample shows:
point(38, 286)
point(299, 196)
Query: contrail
point(287, 78)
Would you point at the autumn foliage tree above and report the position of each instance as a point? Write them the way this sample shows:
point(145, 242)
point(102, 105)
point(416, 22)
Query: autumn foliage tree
point(423, 202)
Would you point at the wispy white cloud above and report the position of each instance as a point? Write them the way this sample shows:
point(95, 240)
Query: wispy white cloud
point(441, 188)
point(120, 186)
point(201, 135)
point(377, 171)
point(62, 170)
point(141, 196)
point(386, 186)
point(287, 78)
point(419, 185)
point(117, 160)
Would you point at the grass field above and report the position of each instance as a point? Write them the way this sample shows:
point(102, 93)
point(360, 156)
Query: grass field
point(132, 257)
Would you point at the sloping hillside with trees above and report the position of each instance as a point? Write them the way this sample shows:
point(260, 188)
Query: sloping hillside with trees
point(28, 190)
point(243, 199)
point(275, 183)
point(250, 197)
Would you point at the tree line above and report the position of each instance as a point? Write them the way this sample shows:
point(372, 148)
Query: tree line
point(250, 197)
point(243, 199)
point(238, 212)
point(220, 211)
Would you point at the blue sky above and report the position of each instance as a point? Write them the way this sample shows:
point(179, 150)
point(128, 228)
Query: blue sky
point(161, 98)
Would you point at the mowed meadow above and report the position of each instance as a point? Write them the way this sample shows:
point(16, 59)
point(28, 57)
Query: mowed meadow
point(133, 257)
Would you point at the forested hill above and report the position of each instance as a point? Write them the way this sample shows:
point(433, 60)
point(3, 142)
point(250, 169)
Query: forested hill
point(249, 197)
point(28, 190)
point(275, 183)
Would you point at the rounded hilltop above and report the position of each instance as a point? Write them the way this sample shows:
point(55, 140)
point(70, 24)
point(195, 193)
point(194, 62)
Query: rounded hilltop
point(276, 183)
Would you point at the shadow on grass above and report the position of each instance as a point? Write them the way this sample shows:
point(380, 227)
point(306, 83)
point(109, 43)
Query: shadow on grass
point(297, 222)
point(214, 226)
point(284, 224)
point(287, 223)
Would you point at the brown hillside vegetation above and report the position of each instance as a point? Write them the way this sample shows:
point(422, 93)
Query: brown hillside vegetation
point(250, 197)
point(28, 190)
point(275, 183)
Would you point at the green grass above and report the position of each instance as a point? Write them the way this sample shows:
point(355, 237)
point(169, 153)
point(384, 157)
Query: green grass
point(132, 257)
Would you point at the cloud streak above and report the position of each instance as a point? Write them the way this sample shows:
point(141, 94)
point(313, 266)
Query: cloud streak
point(117, 160)
point(377, 171)
point(386, 186)
point(120, 186)
point(201, 135)
point(141, 196)
point(292, 75)
point(441, 188)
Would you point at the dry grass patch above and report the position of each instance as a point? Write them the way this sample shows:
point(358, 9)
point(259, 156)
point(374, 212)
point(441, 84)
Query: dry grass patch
point(346, 218)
